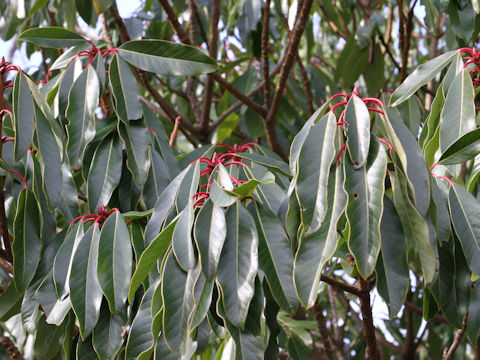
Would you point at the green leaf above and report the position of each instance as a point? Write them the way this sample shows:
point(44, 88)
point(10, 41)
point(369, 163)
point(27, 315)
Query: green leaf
point(125, 90)
point(105, 172)
point(357, 118)
point(149, 257)
point(23, 114)
point(114, 261)
point(414, 225)
point(178, 302)
point(85, 349)
point(314, 161)
point(27, 244)
point(365, 189)
point(473, 330)
point(52, 37)
point(465, 214)
point(167, 58)
point(107, 337)
point(203, 298)
point(464, 149)
point(82, 103)
point(238, 264)
point(182, 238)
point(420, 76)
point(275, 256)
point(392, 268)
point(210, 231)
point(270, 163)
point(458, 114)
point(85, 291)
point(136, 139)
point(10, 300)
point(317, 248)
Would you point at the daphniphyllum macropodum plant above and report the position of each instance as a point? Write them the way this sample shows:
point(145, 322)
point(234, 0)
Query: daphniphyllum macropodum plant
point(119, 244)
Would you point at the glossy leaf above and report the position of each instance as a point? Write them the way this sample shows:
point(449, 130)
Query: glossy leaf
point(55, 37)
point(238, 264)
point(314, 160)
point(136, 139)
point(167, 58)
point(27, 244)
point(357, 118)
point(105, 172)
point(23, 112)
point(182, 239)
point(365, 190)
point(107, 336)
point(464, 149)
point(114, 261)
point(85, 291)
point(268, 162)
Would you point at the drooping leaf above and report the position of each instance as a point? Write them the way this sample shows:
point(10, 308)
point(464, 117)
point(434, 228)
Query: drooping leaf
point(27, 244)
point(85, 291)
point(464, 149)
point(238, 264)
point(357, 118)
point(23, 114)
point(167, 58)
point(107, 335)
point(365, 190)
point(136, 139)
point(314, 160)
point(182, 239)
point(55, 37)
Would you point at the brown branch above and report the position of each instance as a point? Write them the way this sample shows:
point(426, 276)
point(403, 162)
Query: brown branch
point(306, 85)
point(368, 327)
point(105, 32)
point(265, 65)
point(339, 285)
point(409, 348)
point(193, 20)
point(388, 51)
point(173, 136)
point(448, 353)
point(5, 264)
point(171, 89)
point(332, 25)
point(322, 328)
point(269, 121)
point(172, 18)
point(419, 311)
point(12, 350)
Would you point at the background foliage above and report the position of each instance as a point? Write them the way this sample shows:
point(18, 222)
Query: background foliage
point(240, 179)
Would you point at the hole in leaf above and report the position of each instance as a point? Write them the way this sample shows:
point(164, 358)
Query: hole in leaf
point(355, 195)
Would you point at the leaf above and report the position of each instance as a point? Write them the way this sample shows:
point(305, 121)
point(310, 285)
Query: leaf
point(392, 268)
point(114, 261)
point(125, 90)
point(85, 291)
point(158, 177)
point(248, 188)
point(105, 172)
point(275, 256)
point(465, 214)
point(238, 264)
point(365, 189)
point(314, 161)
point(149, 257)
point(420, 76)
point(136, 139)
point(85, 349)
point(51, 37)
point(10, 300)
point(67, 57)
point(315, 249)
point(464, 149)
point(23, 114)
point(82, 103)
point(458, 114)
point(167, 58)
point(182, 238)
point(27, 244)
point(107, 336)
point(270, 163)
point(178, 302)
point(414, 226)
point(357, 118)
point(203, 298)
point(473, 330)
point(210, 231)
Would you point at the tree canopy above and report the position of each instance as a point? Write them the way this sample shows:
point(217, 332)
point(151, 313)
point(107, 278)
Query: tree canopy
point(249, 179)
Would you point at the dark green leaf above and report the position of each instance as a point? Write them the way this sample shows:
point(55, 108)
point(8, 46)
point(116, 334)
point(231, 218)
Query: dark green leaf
point(136, 139)
point(107, 336)
point(464, 149)
point(358, 131)
point(270, 163)
point(55, 37)
point(23, 115)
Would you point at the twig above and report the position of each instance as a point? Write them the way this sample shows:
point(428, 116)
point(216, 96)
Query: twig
point(333, 308)
point(368, 327)
point(171, 89)
point(172, 18)
point(339, 285)
point(5, 264)
point(419, 311)
point(388, 51)
point(12, 350)
point(105, 32)
point(306, 85)
point(173, 136)
point(322, 327)
point(265, 65)
point(448, 353)
point(408, 348)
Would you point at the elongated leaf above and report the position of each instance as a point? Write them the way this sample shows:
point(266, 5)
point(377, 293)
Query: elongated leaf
point(473, 330)
point(365, 189)
point(210, 231)
point(238, 264)
point(275, 257)
point(414, 226)
point(268, 162)
point(182, 239)
point(85, 350)
point(458, 115)
point(114, 261)
point(465, 214)
point(54, 37)
point(105, 172)
point(107, 336)
point(23, 114)
point(392, 267)
point(149, 257)
point(203, 298)
point(420, 76)
point(314, 161)
point(178, 302)
point(167, 58)
point(317, 248)
point(136, 139)
point(10, 301)
point(464, 149)
point(188, 187)
point(27, 244)
point(358, 130)
point(125, 90)
point(67, 57)
point(85, 291)
point(82, 103)
point(158, 177)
